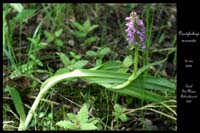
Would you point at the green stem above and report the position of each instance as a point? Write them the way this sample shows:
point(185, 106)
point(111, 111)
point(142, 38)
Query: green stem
point(133, 75)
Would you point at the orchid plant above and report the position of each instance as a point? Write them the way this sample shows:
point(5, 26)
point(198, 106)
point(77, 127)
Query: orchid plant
point(135, 84)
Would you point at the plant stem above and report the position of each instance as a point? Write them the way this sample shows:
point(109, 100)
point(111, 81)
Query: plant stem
point(133, 75)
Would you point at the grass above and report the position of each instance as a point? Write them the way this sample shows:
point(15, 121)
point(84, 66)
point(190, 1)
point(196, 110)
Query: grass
point(29, 51)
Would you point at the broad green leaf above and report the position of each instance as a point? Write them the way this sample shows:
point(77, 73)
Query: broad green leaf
point(117, 108)
point(161, 81)
point(78, 26)
point(83, 114)
point(50, 116)
point(33, 41)
point(39, 63)
point(65, 124)
point(80, 64)
point(64, 59)
point(128, 61)
point(79, 34)
point(43, 44)
point(74, 55)
point(131, 90)
point(91, 53)
point(17, 6)
point(140, 93)
point(72, 117)
point(90, 40)
point(25, 15)
point(104, 51)
point(15, 73)
point(98, 62)
point(50, 37)
point(156, 83)
point(93, 121)
point(141, 82)
point(62, 71)
point(92, 28)
point(88, 126)
point(17, 102)
point(41, 114)
point(123, 117)
point(58, 42)
point(110, 65)
point(86, 25)
point(58, 33)
point(25, 68)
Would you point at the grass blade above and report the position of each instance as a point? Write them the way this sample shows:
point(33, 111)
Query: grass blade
point(17, 102)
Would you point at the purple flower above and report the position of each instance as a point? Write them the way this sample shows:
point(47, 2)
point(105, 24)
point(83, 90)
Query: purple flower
point(135, 30)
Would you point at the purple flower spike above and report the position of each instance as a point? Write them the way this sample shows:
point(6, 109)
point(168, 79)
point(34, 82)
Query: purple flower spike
point(135, 30)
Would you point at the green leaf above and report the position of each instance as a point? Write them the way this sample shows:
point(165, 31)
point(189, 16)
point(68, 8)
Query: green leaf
point(58, 42)
point(74, 55)
point(117, 108)
point(50, 116)
point(17, 102)
point(91, 53)
point(128, 61)
point(161, 39)
point(41, 114)
point(80, 64)
point(93, 121)
point(39, 63)
point(131, 90)
point(140, 93)
point(25, 15)
point(64, 59)
point(92, 28)
point(25, 68)
point(98, 62)
point(104, 51)
point(15, 73)
point(17, 6)
point(42, 44)
point(58, 33)
point(72, 117)
point(62, 71)
point(156, 83)
point(86, 24)
point(50, 37)
point(123, 117)
point(110, 65)
point(83, 114)
point(79, 34)
point(88, 126)
point(90, 40)
point(65, 124)
point(78, 26)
